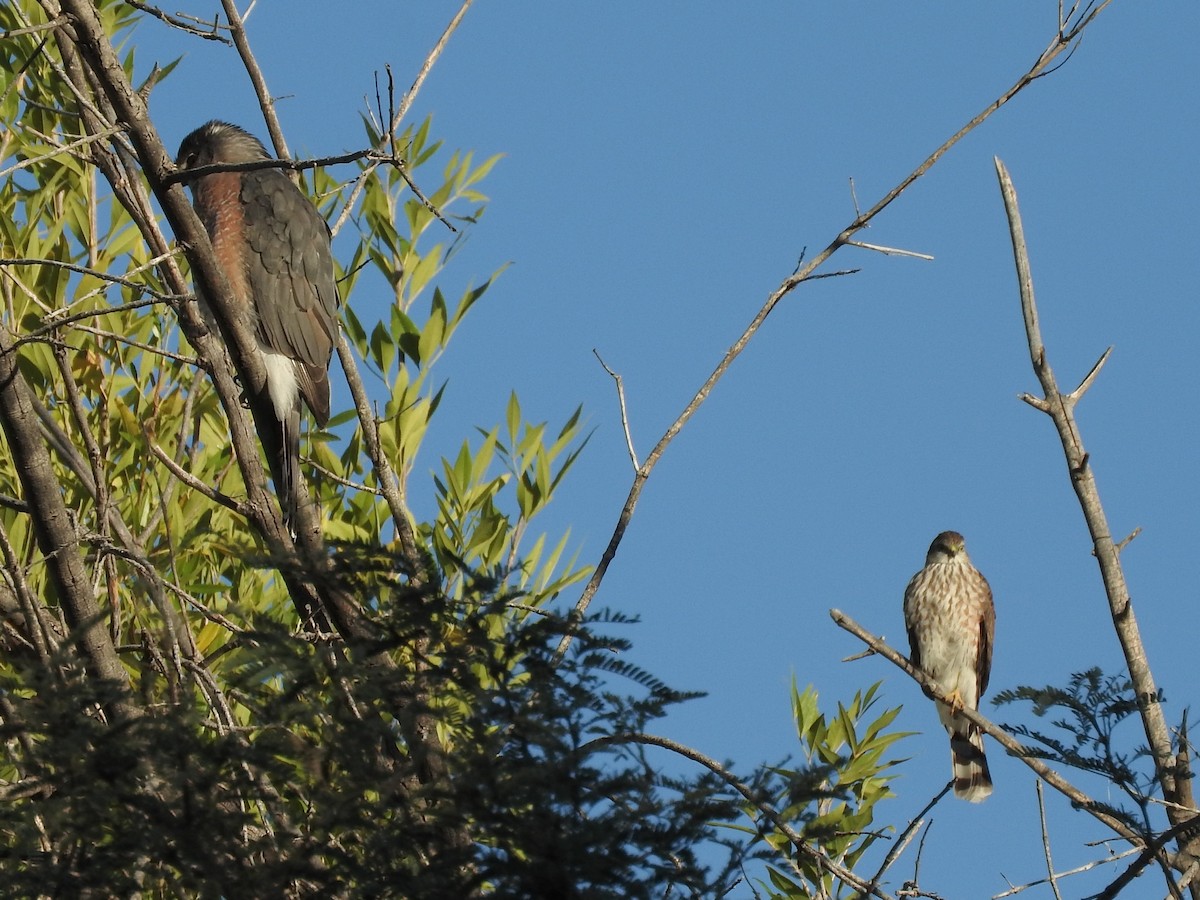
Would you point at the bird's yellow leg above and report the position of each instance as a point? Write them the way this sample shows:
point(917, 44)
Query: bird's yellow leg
point(955, 700)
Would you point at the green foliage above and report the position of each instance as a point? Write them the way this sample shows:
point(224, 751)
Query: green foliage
point(142, 396)
point(833, 797)
point(1092, 708)
point(306, 798)
point(472, 526)
point(452, 752)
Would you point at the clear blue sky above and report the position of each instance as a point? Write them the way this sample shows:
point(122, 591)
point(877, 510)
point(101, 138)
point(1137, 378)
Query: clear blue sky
point(665, 164)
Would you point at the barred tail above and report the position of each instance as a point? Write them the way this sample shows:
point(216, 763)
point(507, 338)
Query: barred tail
point(972, 780)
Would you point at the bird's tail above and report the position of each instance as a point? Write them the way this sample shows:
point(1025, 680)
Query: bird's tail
point(289, 485)
point(972, 779)
point(280, 436)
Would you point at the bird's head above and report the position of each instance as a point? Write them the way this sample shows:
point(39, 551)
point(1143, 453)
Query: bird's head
point(949, 546)
point(218, 142)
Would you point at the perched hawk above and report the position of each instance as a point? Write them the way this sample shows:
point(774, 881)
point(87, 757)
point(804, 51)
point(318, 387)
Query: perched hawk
point(274, 249)
point(951, 620)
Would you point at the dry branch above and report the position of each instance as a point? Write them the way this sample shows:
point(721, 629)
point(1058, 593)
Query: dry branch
point(1060, 408)
point(1006, 740)
point(1065, 39)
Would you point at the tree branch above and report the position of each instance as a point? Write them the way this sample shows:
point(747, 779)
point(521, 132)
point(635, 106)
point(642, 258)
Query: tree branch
point(56, 535)
point(768, 811)
point(1064, 39)
point(1007, 741)
point(1060, 408)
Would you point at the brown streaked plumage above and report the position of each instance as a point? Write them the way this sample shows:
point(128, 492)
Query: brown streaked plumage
point(951, 622)
point(274, 249)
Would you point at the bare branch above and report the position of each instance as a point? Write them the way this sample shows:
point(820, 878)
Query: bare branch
point(888, 251)
point(1078, 870)
point(1007, 741)
point(265, 101)
point(910, 830)
point(410, 95)
point(1060, 408)
point(624, 415)
point(1050, 876)
point(1061, 42)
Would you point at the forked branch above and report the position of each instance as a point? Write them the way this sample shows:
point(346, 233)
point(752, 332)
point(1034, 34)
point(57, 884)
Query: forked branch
point(1060, 407)
point(1067, 37)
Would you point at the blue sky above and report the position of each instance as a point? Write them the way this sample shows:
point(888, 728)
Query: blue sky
point(665, 166)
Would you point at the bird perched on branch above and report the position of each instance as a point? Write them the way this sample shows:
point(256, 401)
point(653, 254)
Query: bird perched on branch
point(274, 249)
point(951, 621)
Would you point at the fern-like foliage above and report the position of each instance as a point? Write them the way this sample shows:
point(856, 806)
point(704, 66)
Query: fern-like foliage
point(1088, 713)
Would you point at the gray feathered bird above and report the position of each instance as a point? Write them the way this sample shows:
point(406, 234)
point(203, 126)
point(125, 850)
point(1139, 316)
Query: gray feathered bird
point(274, 249)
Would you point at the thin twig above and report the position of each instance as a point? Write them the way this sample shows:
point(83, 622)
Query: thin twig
point(196, 484)
point(909, 832)
point(60, 149)
point(1124, 542)
point(34, 29)
point(1148, 855)
point(1090, 376)
point(1086, 867)
point(152, 349)
point(768, 811)
point(342, 480)
point(1051, 877)
point(888, 251)
point(208, 33)
point(124, 281)
point(390, 485)
point(624, 415)
point(387, 139)
point(410, 95)
point(911, 888)
point(1061, 42)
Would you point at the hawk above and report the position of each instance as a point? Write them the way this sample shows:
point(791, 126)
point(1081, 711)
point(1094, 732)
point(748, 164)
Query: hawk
point(274, 249)
point(950, 619)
